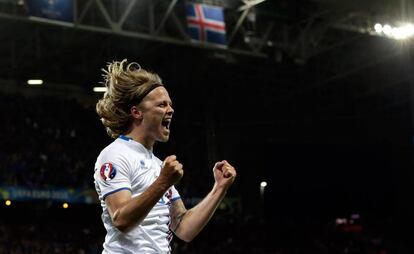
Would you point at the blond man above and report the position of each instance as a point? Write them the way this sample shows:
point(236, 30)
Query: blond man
point(141, 207)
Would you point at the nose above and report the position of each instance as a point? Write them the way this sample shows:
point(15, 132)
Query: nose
point(170, 110)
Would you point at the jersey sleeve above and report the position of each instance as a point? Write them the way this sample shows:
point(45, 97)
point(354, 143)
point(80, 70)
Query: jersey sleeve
point(111, 175)
point(174, 194)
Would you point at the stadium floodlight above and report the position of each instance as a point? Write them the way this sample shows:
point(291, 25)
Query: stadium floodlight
point(399, 33)
point(403, 32)
point(387, 30)
point(35, 82)
point(263, 185)
point(378, 28)
point(99, 89)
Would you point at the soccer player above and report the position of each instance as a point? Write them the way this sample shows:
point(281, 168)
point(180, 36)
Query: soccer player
point(141, 207)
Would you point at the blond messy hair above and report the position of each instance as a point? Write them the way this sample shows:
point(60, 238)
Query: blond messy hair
point(125, 83)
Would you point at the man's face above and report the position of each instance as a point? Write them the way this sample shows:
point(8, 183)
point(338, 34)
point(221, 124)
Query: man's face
point(157, 114)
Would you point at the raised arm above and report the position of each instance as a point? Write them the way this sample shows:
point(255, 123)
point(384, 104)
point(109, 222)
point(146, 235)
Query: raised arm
point(186, 224)
point(126, 211)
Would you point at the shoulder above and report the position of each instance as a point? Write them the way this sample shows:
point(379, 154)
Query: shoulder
point(112, 150)
point(115, 153)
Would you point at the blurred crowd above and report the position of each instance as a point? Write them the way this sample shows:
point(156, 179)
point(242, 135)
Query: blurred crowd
point(54, 142)
point(46, 142)
point(51, 238)
point(221, 236)
point(286, 235)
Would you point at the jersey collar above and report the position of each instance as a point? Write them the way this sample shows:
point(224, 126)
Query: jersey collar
point(136, 145)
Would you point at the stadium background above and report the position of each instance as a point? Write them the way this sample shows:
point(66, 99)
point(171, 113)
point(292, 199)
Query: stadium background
point(306, 97)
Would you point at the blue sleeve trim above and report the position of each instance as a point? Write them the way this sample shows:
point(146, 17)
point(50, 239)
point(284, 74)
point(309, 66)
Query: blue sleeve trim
point(112, 192)
point(174, 199)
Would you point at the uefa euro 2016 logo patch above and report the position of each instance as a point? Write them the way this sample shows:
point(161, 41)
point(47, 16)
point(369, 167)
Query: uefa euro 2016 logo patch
point(108, 171)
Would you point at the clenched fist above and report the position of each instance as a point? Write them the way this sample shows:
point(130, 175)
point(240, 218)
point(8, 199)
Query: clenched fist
point(224, 174)
point(171, 171)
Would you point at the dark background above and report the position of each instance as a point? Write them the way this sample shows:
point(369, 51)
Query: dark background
point(325, 119)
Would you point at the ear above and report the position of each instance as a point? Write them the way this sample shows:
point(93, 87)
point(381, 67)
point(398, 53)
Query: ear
point(136, 113)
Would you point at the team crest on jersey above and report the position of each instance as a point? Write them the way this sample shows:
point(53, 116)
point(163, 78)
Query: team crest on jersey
point(108, 171)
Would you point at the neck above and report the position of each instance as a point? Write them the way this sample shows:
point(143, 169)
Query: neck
point(146, 141)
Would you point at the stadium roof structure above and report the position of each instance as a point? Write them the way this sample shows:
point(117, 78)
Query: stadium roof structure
point(291, 51)
point(300, 30)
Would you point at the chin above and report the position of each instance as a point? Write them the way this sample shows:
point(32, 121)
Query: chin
point(164, 139)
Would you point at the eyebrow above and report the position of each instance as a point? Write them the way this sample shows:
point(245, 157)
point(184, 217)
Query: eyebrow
point(167, 101)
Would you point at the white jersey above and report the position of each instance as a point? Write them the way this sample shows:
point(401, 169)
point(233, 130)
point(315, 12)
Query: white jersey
point(127, 165)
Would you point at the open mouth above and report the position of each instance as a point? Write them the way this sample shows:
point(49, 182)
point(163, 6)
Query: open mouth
point(166, 123)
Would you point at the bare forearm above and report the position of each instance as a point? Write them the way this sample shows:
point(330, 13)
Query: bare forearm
point(127, 212)
point(187, 224)
point(196, 218)
point(136, 209)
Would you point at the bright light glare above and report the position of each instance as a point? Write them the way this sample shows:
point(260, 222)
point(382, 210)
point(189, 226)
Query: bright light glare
point(263, 184)
point(34, 82)
point(378, 28)
point(99, 89)
point(403, 32)
point(398, 33)
point(387, 29)
point(8, 203)
point(65, 205)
